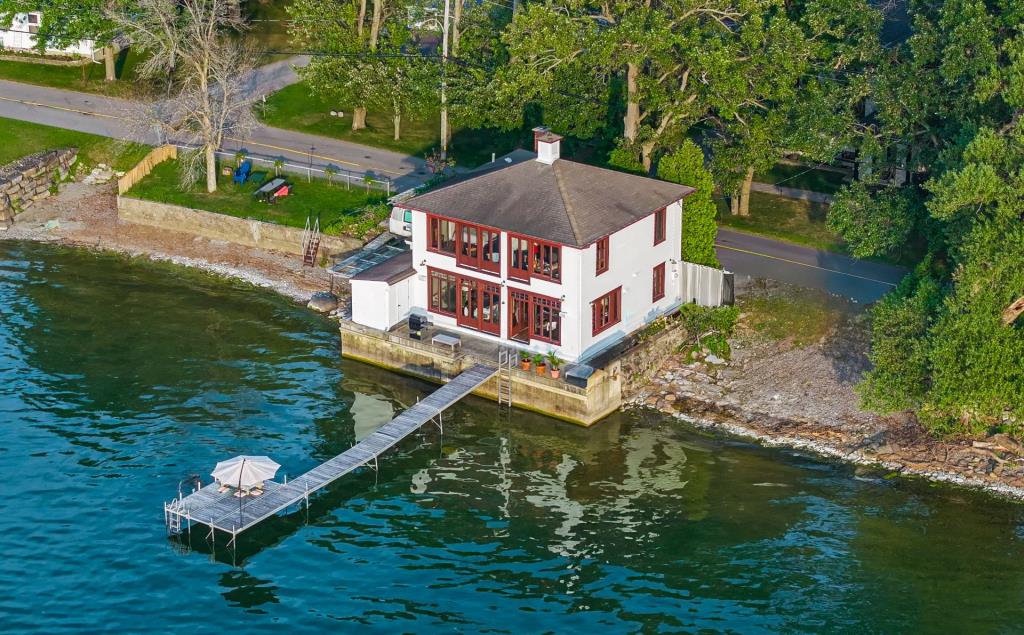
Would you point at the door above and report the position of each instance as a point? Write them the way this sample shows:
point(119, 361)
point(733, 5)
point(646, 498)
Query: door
point(479, 305)
point(519, 316)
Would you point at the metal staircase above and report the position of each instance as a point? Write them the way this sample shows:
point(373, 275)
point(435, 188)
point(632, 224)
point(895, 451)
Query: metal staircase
point(310, 242)
point(506, 361)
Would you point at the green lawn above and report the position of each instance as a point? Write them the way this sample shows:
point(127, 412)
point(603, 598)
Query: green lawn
point(342, 211)
point(802, 178)
point(88, 78)
point(796, 221)
point(293, 108)
point(26, 138)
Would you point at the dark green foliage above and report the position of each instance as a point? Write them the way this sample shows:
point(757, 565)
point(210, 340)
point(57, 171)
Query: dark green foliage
point(708, 327)
point(874, 223)
point(685, 165)
point(901, 373)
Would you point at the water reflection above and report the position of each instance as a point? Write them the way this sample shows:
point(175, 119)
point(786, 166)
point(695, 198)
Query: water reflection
point(117, 379)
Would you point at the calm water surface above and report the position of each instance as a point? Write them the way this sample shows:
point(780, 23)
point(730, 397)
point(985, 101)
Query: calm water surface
point(118, 379)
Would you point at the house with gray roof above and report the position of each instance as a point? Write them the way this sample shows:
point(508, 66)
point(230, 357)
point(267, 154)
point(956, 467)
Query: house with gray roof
point(547, 254)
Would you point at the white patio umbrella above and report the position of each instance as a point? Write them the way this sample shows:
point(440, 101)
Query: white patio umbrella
point(245, 472)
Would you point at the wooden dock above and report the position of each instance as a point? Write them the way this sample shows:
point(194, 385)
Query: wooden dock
point(207, 506)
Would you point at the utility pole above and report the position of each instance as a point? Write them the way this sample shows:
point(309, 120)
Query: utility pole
point(444, 69)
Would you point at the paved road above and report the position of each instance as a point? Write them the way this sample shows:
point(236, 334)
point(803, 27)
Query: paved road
point(110, 117)
point(742, 253)
point(861, 280)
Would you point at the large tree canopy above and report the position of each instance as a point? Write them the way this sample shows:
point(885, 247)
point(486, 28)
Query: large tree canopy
point(951, 99)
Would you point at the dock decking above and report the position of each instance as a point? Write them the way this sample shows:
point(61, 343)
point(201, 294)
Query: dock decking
point(233, 515)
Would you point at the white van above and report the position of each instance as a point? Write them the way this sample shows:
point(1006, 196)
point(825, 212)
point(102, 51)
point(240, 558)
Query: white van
point(400, 223)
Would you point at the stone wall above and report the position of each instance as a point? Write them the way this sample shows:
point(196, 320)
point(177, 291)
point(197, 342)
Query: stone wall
point(641, 363)
point(29, 179)
point(241, 231)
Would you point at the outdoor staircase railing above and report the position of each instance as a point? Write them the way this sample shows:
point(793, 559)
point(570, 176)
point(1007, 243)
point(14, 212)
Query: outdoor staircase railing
point(310, 241)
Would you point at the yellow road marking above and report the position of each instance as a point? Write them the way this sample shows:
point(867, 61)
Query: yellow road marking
point(803, 264)
point(64, 108)
point(254, 143)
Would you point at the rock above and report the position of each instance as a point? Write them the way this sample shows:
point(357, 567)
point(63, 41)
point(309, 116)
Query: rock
point(323, 301)
point(714, 359)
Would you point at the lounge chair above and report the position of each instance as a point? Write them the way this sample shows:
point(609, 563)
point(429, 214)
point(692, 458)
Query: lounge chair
point(242, 172)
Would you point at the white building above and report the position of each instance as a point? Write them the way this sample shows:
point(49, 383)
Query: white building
point(20, 36)
point(546, 254)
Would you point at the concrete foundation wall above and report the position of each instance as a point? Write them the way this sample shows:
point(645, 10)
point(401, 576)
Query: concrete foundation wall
point(602, 397)
point(241, 231)
point(29, 179)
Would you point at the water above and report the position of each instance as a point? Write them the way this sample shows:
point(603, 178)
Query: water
point(118, 379)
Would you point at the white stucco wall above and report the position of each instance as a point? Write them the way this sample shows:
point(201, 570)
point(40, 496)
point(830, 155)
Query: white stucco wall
point(633, 257)
point(379, 306)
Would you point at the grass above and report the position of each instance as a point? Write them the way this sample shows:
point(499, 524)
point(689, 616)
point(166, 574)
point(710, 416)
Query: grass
point(802, 178)
point(294, 108)
point(26, 138)
point(88, 78)
point(805, 316)
point(341, 210)
point(792, 220)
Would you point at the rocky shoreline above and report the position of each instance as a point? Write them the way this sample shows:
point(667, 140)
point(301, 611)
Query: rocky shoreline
point(775, 392)
point(780, 394)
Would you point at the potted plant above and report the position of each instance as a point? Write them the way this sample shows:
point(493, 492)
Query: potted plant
point(538, 364)
point(554, 363)
point(524, 360)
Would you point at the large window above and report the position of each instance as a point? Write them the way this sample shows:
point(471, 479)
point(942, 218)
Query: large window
point(519, 258)
point(602, 255)
point(547, 261)
point(530, 258)
point(442, 235)
point(606, 311)
point(547, 319)
point(659, 226)
point(659, 283)
point(443, 292)
point(479, 248)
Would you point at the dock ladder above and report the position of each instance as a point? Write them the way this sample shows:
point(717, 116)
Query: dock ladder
point(310, 241)
point(506, 360)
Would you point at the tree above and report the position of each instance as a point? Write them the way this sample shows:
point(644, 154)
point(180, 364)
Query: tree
point(951, 99)
point(192, 43)
point(686, 166)
point(350, 60)
point(64, 24)
point(875, 223)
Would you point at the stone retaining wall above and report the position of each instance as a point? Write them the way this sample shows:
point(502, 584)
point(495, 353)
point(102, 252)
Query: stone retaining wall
point(29, 179)
point(640, 364)
point(241, 231)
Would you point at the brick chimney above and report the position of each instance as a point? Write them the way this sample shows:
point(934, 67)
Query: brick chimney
point(547, 145)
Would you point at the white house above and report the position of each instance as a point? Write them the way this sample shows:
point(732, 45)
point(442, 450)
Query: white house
point(546, 254)
point(20, 36)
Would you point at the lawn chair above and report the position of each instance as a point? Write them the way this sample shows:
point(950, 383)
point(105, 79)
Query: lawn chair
point(243, 172)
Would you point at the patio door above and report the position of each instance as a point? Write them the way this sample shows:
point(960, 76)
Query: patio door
point(479, 305)
point(519, 316)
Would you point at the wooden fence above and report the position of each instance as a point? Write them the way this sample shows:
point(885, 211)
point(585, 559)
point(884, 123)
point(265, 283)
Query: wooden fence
point(145, 166)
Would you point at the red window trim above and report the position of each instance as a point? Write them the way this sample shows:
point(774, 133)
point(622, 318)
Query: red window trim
point(430, 235)
point(478, 263)
point(658, 283)
point(556, 307)
point(430, 274)
point(532, 245)
point(602, 245)
point(615, 311)
point(660, 225)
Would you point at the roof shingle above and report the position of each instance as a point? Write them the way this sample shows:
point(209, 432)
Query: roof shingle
point(565, 202)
